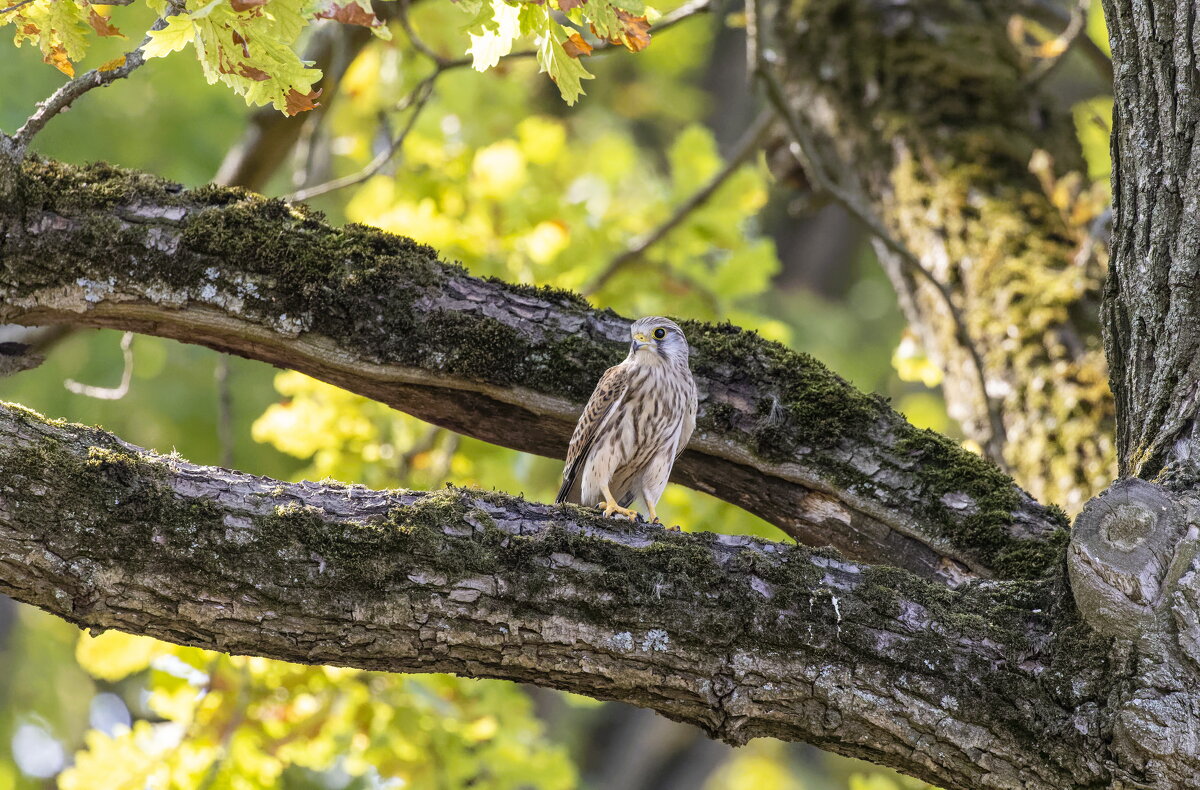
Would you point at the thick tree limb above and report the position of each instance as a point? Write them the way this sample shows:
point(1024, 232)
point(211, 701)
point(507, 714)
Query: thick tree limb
point(778, 434)
point(977, 689)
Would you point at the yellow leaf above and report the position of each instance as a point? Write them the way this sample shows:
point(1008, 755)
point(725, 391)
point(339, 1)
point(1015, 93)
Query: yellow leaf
point(179, 32)
point(57, 58)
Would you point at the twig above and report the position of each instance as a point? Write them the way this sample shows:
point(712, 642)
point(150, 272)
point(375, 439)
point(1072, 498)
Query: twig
point(62, 98)
point(1050, 14)
point(15, 6)
point(805, 150)
point(417, 99)
point(109, 393)
point(746, 146)
point(414, 39)
point(1063, 43)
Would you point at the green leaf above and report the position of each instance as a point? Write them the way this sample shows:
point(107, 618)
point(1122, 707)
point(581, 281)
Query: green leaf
point(566, 71)
point(179, 32)
point(497, 37)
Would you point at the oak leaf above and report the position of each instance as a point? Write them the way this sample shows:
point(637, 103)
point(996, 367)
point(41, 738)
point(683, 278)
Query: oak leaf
point(298, 102)
point(636, 35)
point(101, 25)
point(576, 46)
point(57, 57)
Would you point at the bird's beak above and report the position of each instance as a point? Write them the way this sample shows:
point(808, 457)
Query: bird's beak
point(641, 340)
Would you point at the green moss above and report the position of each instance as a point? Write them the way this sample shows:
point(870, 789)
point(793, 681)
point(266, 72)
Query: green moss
point(808, 406)
point(944, 468)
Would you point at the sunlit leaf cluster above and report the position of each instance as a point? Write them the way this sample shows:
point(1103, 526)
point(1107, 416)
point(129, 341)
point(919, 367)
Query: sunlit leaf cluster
point(235, 722)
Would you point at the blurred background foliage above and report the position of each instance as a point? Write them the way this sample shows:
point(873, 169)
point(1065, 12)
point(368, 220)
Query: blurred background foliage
point(496, 172)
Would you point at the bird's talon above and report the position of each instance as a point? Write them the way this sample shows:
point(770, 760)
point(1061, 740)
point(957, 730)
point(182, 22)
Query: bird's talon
point(612, 507)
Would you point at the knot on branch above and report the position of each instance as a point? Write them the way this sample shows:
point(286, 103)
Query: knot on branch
point(1123, 548)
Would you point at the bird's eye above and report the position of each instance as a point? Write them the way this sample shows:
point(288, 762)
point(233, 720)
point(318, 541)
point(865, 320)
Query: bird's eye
point(660, 333)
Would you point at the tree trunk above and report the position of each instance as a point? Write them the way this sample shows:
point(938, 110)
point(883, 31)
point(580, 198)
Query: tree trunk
point(923, 113)
point(1151, 303)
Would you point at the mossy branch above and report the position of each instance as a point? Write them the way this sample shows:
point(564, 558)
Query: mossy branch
point(741, 637)
point(380, 315)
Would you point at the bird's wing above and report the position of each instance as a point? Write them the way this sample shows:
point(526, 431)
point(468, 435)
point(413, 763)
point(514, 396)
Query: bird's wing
point(689, 419)
point(609, 391)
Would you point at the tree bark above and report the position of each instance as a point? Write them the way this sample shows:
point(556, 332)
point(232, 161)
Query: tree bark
point(989, 687)
point(924, 113)
point(777, 434)
point(1151, 302)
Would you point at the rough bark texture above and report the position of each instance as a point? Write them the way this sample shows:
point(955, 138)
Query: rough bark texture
point(1135, 574)
point(987, 687)
point(777, 434)
point(1151, 301)
point(925, 107)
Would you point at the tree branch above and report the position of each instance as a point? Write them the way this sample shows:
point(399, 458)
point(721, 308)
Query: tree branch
point(778, 434)
point(740, 637)
point(62, 98)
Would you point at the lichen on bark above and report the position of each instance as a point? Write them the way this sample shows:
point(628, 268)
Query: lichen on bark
point(926, 106)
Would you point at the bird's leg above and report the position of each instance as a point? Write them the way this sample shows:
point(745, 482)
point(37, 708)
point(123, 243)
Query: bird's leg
point(610, 505)
point(653, 514)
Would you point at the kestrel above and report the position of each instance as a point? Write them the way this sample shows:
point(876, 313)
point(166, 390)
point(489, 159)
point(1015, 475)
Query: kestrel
point(635, 425)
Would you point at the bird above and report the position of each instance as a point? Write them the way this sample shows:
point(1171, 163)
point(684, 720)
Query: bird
point(636, 423)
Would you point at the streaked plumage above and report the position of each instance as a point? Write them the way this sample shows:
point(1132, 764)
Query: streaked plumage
point(635, 425)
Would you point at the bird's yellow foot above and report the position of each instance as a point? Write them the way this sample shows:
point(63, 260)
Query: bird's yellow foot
point(612, 507)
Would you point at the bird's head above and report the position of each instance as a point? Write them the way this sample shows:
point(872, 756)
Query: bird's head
point(656, 340)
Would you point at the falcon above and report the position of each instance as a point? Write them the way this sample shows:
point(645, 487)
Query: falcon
point(635, 425)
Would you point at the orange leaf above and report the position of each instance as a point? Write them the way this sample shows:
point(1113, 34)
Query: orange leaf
point(57, 58)
point(101, 24)
point(349, 14)
point(115, 63)
point(637, 30)
point(258, 75)
point(31, 29)
point(298, 102)
point(246, 5)
point(576, 46)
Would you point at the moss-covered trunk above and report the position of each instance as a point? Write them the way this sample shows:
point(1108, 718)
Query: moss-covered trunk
point(991, 688)
point(923, 114)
